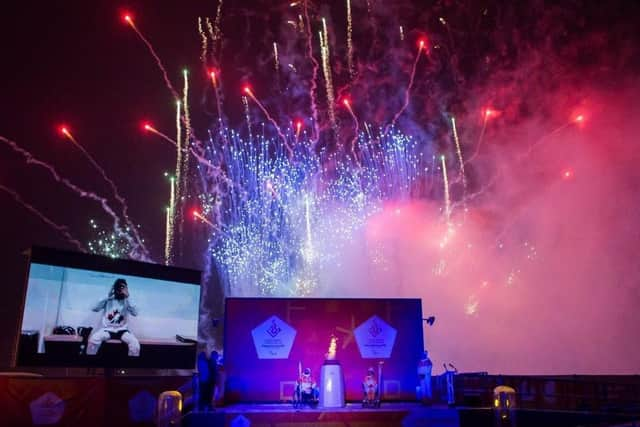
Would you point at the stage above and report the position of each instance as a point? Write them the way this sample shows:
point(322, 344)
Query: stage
point(101, 401)
point(406, 414)
point(275, 345)
point(353, 414)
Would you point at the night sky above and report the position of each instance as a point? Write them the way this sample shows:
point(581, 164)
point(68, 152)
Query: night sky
point(77, 63)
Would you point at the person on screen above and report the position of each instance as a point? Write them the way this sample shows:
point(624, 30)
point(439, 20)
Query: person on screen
point(115, 311)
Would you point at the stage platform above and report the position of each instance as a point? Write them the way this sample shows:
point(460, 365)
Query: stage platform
point(352, 415)
point(392, 414)
point(125, 401)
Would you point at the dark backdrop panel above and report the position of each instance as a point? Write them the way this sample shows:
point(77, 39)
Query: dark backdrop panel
point(90, 401)
point(250, 378)
point(61, 402)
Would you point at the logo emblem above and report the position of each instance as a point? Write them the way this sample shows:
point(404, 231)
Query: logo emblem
point(273, 329)
point(273, 338)
point(374, 329)
point(47, 409)
point(375, 338)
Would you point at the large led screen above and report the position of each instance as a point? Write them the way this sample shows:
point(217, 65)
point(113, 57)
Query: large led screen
point(87, 310)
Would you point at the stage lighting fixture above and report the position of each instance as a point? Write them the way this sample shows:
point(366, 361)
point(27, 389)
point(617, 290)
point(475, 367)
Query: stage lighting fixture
point(430, 320)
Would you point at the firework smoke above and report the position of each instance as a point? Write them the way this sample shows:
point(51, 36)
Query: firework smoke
point(59, 228)
point(129, 20)
point(139, 251)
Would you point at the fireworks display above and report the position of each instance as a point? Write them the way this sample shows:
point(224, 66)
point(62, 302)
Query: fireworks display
point(360, 150)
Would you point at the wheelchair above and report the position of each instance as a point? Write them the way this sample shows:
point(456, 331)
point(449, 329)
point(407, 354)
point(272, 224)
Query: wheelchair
point(370, 396)
point(303, 398)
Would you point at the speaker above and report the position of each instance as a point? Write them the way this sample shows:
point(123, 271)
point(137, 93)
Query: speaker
point(28, 346)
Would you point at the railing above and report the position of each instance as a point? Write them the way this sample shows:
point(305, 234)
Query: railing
point(580, 393)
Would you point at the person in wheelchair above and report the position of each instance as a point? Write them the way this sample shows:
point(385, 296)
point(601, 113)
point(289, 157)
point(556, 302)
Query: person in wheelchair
point(307, 392)
point(370, 389)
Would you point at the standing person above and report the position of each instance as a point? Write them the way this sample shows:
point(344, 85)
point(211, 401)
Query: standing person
point(204, 383)
point(449, 377)
point(425, 366)
point(115, 311)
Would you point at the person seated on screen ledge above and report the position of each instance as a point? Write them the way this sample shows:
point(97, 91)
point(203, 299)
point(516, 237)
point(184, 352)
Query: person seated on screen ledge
point(116, 309)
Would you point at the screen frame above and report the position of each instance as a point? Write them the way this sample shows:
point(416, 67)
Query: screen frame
point(98, 263)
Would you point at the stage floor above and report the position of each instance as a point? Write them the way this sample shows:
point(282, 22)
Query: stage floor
point(352, 415)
